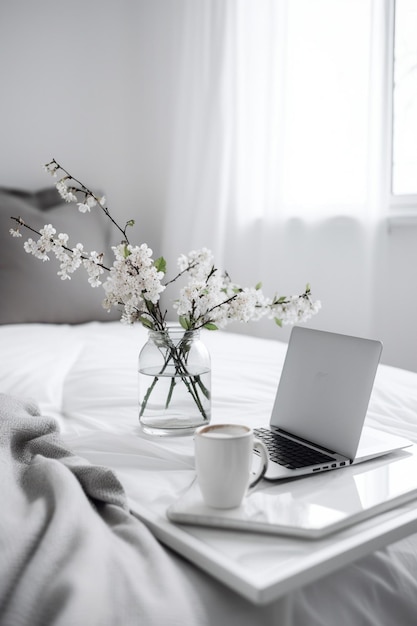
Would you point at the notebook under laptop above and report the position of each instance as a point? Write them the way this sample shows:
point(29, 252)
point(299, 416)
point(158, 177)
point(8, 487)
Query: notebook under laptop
point(320, 406)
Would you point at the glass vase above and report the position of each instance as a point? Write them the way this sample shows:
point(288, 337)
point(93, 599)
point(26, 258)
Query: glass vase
point(174, 382)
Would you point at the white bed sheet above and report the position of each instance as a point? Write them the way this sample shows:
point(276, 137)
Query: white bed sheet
point(86, 378)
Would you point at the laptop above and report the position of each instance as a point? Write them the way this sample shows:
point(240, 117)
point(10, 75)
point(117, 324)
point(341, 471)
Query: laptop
point(317, 422)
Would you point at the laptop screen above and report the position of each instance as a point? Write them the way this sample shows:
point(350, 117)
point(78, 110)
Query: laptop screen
point(325, 387)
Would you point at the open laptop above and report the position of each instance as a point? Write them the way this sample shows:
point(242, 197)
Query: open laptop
point(320, 406)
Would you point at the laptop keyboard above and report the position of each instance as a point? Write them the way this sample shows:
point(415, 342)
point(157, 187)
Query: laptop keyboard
point(289, 453)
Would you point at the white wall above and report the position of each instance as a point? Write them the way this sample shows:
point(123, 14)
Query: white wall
point(92, 82)
point(81, 82)
point(395, 296)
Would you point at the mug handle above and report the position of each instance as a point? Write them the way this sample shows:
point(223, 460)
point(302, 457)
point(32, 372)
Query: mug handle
point(260, 447)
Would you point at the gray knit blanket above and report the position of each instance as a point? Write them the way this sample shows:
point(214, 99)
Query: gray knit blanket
point(70, 552)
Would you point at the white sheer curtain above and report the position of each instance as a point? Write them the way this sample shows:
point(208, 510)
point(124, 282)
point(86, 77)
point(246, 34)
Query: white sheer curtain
point(276, 155)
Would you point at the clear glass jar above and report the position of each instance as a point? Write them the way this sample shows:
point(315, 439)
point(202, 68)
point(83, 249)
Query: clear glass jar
point(174, 382)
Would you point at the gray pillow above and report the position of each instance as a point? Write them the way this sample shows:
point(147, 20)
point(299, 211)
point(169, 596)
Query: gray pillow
point(30, 289)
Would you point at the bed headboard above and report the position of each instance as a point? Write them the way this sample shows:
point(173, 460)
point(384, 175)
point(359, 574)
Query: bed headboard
point(30, 289)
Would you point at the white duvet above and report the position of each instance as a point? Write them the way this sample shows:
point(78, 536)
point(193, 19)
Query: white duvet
point(85, 377)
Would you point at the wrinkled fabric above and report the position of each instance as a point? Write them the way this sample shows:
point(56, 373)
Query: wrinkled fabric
point(71, 553)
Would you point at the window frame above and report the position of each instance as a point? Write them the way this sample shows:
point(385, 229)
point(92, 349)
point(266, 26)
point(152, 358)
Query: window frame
point(402, 208)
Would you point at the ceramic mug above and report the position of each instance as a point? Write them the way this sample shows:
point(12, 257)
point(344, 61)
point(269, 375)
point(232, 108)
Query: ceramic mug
point(223, 458)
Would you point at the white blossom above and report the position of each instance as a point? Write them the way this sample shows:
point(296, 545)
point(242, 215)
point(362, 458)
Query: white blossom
point(62, 239)
point(295, 310)
point(94, 269)
point(243, 307)
point(87, 205)
point(133, 279)
point(71, 261)
point(51, 168)
point(65, 192)
point(210, 297)
point(33, 247)
point(15, 232)
point(199, 263)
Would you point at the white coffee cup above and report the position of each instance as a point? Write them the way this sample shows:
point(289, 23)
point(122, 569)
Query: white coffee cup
point(223, 458)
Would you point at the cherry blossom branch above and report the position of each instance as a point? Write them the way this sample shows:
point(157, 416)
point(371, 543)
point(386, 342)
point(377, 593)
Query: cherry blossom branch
point(21, 222)
point(54, 166)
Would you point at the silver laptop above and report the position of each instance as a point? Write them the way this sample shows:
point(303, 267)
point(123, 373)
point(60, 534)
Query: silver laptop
point(320, 406)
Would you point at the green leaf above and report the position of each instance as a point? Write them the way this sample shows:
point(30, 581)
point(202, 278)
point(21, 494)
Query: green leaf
point(126, 251)
point(308, 289)
point(210, 326)
point(149, 305)
point(130, 223)
point(146, 322)
point(258, 286)
point(278, 321)
point(161, 265)
point(185, 322)
point(281, 299)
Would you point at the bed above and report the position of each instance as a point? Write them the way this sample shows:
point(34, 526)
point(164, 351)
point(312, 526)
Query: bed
point(73, 459)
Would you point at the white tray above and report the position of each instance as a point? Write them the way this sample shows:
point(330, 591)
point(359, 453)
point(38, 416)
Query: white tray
point(310, 507)
point(263, 566)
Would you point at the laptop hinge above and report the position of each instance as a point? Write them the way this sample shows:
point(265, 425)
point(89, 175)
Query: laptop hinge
point(297, 438)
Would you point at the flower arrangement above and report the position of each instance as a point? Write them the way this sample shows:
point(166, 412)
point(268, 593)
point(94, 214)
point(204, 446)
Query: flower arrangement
point(135, 281)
